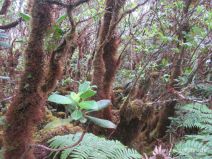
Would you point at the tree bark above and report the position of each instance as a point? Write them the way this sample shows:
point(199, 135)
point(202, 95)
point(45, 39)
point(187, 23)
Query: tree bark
point(140, 124)
point(5, 7)
point(26, 109)
point(105, 63)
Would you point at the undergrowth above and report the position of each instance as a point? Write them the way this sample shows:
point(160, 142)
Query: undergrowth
point(91, 147)
point(197, 119)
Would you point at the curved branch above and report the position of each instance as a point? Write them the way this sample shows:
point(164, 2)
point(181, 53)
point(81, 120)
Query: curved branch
point(72, 5)
point(59, 149)
point(11, 25)
point(5, 7)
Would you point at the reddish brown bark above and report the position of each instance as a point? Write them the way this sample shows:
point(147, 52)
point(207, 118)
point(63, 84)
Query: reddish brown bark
point(98, 62)
point(106, 61)
point(11, 25)
point(112, 62)
point(26, 108)
point(55, 68)
point(141, 124)
point(178, 59)
point(5, 7)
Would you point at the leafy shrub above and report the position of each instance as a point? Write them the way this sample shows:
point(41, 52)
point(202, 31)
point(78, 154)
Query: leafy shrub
point(78, 105)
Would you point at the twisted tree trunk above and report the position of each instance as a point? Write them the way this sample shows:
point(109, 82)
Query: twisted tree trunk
point(25, 110)
point(106, 60)
point(5, 7)
point(27, 107)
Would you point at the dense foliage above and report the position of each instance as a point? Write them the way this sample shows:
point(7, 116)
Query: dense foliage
point(138, 72)
point(194, 118)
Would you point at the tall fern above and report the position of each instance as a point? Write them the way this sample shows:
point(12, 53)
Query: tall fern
point(92, 147)
point(197, 146)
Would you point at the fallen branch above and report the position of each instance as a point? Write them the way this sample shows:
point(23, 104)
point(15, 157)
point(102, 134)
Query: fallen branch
point(59, 149)
point(181, 96)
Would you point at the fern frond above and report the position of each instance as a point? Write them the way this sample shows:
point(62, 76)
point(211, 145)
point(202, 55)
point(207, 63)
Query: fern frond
point(190, 149)
point(92, 147)
point(195, 115)
point(199, 145)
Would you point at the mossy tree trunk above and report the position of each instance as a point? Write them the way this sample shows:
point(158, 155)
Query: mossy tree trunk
point(5, 7)
point(27, 107)
point(106, 59)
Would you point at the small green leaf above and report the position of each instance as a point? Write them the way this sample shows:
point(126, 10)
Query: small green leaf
point(75, 96)
point(59, 99)
point(58, 30)
point(25, 16)
point(87, 94)
point(61, 18)
point(164, 62)
point(88, 105)
point(102, 123)
point(84, 86)
point(76, 115)
point(83, 120)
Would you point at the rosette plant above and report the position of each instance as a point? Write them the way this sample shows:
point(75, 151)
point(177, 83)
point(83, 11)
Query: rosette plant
point(79, 106)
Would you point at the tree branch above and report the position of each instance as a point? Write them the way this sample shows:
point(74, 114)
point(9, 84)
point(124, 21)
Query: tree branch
point(11, 25)
point(5, 7)
point(59, 149)
point(72, 5)
point(53, 150)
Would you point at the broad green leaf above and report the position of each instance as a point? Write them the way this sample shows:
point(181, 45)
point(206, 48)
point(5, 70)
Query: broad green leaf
point(75, 96)
point(59, 99)
point(87, 94)
point(76, 115)
point(103, 104)
point(88, 105)
point(101, 122)
point(25, 16)
point(57, 122)
point(84, 86)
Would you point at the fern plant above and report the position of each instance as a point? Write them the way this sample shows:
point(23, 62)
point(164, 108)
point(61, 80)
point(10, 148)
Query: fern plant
point(91, 147)
point(199, 145)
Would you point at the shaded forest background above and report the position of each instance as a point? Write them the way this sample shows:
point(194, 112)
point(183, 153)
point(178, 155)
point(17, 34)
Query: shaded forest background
point(151, 58)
